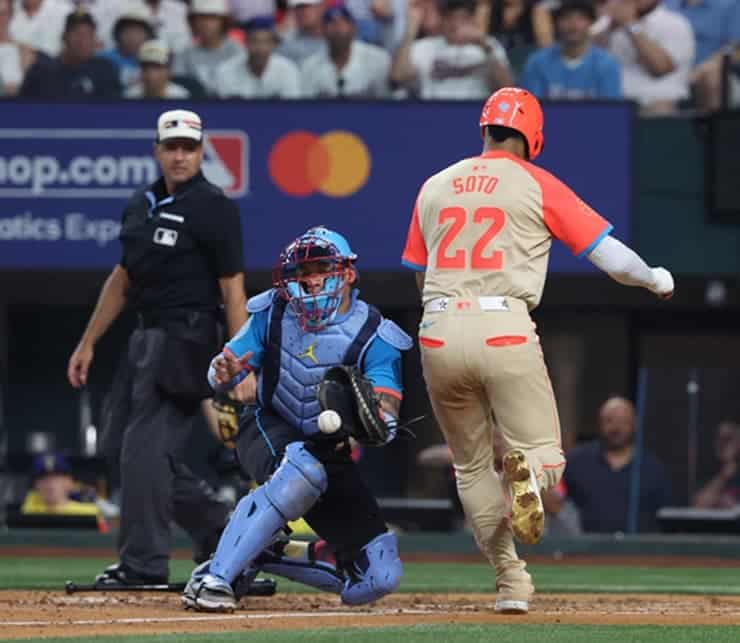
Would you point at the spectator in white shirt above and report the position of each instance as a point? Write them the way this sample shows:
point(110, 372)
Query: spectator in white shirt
point(261, 73)
point(655, 48)
point(155, 60)
point(40, 24)
point(308, 36)
point(11, 66)
point(461, 64)
point(346, 67)
point(210, 22)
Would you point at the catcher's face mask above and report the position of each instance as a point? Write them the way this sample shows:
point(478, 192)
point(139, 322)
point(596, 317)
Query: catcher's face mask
point(311, 276)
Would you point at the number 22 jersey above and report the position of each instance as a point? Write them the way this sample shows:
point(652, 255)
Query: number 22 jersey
point(484, 226)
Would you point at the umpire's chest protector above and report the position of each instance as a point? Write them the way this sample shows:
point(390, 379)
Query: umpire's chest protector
point(304, 358)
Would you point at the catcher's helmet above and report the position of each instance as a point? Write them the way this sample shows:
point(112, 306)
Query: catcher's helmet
point(519, 110)
point(329, 255)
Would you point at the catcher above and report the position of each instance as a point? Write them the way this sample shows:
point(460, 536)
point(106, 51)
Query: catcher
point(310, 348)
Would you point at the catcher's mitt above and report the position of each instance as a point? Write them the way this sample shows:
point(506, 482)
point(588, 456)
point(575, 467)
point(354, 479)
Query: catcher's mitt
point(347, 391)
point(228, 419)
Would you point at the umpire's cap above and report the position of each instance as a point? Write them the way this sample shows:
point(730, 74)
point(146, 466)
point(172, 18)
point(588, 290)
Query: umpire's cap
point(179, 123)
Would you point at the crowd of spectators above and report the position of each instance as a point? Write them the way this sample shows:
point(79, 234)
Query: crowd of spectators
point(664, 54)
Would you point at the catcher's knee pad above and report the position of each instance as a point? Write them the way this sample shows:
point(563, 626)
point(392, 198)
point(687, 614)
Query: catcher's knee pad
point(302, 568)
point(292, 490)
point(375, 573)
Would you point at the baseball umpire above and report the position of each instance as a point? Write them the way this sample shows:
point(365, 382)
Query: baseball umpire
point(181, 268)
point(314, 345)
point(479, 238)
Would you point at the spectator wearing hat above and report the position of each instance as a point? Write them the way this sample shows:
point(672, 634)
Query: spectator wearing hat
point(308, 36)
point(346, 67)
point(260, 73)
point(54, 489)
point(39, 24)
point(77, 72)
point(155, 58)
point(463, 63)
point(573, 68)
point(210, 23)
point(131, 30)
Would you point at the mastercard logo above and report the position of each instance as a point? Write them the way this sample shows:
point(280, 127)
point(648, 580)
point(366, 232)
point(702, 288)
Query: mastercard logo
point(335, 164)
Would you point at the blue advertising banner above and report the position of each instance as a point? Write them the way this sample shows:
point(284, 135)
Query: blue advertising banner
point(66, 171)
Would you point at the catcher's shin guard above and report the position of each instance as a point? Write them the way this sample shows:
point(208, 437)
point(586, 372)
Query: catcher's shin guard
point(375, 573)
point(292, 490)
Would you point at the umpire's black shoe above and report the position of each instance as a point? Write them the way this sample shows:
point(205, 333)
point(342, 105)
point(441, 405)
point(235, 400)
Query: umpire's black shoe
point(120, 575)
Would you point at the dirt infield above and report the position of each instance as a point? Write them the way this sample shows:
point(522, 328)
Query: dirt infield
point(34, 614)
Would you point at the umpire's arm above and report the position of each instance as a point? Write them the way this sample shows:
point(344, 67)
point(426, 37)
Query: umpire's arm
point(235, 301)
point(111, 302)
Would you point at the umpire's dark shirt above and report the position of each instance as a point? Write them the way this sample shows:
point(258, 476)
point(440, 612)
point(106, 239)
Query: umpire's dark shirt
point(602, 494)
point(175, 247)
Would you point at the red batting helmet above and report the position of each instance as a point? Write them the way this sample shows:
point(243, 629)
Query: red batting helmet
point(519, 110)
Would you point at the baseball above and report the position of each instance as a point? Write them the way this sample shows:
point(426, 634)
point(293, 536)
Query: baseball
point(329, 421)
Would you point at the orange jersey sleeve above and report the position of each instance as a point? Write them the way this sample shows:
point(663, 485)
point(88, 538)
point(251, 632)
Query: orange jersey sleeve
point(567, 217)
point(415, 252)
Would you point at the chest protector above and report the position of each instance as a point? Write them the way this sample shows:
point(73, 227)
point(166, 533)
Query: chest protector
point(295, 360)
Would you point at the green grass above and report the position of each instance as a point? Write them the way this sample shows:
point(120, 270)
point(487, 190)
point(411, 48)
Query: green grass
point(50, 573)
point(450, 634)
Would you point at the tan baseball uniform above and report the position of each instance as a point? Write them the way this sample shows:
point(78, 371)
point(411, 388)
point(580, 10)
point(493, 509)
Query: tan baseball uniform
point(481, 230)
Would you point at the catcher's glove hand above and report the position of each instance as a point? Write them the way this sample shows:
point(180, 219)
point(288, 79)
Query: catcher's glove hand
point(347, 391)
point(228, 418)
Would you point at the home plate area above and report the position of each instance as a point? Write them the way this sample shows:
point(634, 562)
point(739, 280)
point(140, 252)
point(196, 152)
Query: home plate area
point(32, 614)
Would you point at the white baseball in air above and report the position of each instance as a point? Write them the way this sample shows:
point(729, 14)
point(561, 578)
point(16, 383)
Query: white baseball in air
point(329, 421)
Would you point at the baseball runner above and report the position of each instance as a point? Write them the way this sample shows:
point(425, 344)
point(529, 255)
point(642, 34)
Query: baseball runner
point(309, 331)
point(479, 239)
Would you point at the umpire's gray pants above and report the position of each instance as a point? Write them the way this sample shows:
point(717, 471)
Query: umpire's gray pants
point(156, 487)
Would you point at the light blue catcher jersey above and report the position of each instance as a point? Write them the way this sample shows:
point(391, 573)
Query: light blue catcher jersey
point(304, 356)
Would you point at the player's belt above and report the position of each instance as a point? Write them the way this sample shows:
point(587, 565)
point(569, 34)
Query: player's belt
point(486, 304)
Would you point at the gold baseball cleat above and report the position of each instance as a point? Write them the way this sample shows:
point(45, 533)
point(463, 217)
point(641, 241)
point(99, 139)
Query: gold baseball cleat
point(527, 510)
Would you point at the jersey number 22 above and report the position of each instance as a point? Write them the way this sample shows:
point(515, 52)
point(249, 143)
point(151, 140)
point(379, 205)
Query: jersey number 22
point(478, 260)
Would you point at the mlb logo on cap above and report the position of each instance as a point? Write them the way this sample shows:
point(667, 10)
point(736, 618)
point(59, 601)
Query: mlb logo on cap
point(179, 123)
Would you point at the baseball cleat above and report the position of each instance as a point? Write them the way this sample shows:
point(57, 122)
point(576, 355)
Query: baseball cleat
point(527, 511)
point(196, 578)
point(122, 576)
point(511, 606)
point(513, 590)
point(209, 594)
